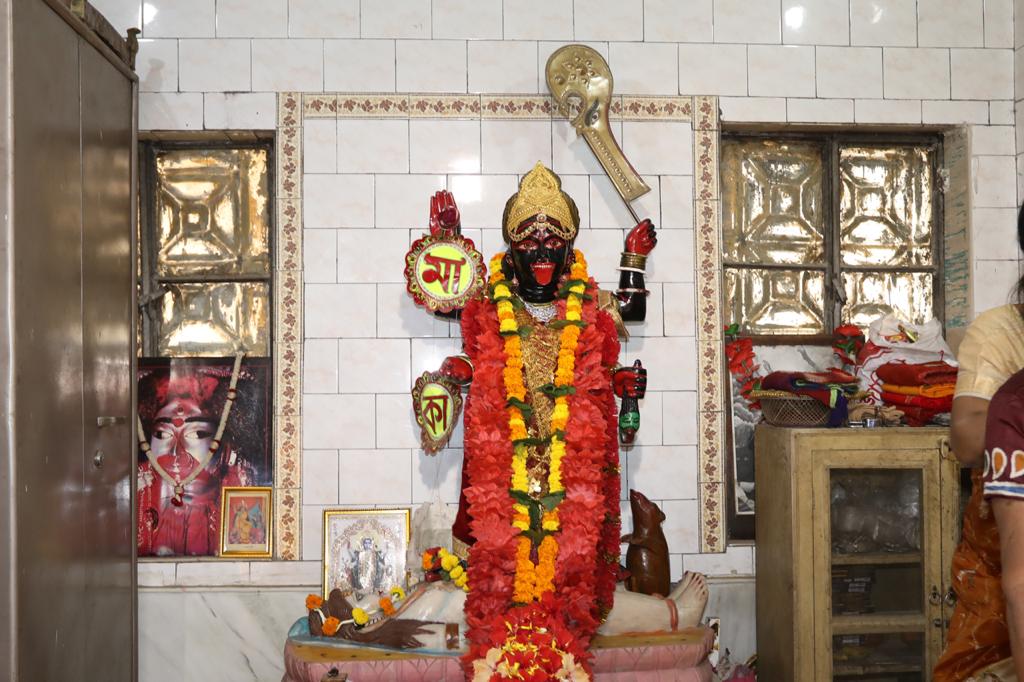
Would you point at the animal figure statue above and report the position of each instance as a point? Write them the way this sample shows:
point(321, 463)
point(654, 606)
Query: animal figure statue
point(647, 556)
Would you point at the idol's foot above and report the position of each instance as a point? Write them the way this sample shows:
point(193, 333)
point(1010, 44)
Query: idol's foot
point(691, 596)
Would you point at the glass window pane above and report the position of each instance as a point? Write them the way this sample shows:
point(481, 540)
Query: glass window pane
point(886, 206)
point(870, 295)
point(212, 212)
point(879, 656)
point(775, 301)
point(215, 319)
point(772, 202)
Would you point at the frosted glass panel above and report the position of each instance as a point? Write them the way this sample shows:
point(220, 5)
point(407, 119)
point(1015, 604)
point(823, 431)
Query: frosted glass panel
point(772, 202)
point(870, 295)
point(212, 212)
point(886, 206)
point(212, 319)
point(775, 301)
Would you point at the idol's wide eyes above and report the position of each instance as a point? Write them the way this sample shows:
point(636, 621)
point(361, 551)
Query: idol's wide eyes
point(554, 242)
point(529, 244)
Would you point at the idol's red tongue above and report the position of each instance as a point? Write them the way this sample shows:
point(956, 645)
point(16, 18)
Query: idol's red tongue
point(543, 272)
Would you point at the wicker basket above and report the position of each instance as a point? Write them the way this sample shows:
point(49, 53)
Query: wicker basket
point(786, 409)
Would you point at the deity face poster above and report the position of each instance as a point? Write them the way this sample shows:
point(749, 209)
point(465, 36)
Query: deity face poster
point(364, 550)
point(181, 466)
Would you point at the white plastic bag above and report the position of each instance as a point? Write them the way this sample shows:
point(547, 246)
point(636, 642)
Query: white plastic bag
point(890, 339)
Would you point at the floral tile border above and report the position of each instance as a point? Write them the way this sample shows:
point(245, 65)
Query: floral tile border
point(289, 163)
point(372, 106)
point(444, 106)
point(319, 106)
point(287, 541)
point(513, 106)
point(657, 108)
point(710, 427)
point(712, 504)
point(289, 232)
point(707, 114)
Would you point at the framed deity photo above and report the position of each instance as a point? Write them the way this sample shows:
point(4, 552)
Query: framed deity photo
point(364, 550)
point(245, 522)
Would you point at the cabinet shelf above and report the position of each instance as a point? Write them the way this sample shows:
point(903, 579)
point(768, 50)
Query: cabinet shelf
point(878, 623)
point(876, 558)
point(881, 668)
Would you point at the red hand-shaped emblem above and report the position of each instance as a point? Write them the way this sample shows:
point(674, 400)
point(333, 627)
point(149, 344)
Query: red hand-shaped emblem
point(444, 214)
point(630, 381)
point(642, 239)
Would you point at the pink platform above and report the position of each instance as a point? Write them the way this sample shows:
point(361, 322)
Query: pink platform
point(675, 657)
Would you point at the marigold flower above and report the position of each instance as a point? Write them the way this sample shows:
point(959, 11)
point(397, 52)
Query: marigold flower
point(330, 626)
point(314, 601)
point(387, 606)
point(449, 562)
point(360, 617)
point(456, 572)
point(397, 593)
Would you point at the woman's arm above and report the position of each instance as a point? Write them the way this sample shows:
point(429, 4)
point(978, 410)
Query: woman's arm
point(967, 432)
point(1010, 519)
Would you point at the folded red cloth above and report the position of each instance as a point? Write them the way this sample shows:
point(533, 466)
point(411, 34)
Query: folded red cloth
point(918, 416)
point(923, 374)
point(899, 400)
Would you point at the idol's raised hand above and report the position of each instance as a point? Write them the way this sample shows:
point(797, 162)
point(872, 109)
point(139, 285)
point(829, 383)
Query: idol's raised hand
point(642, 239)
point(630, 382)
point(444, 214)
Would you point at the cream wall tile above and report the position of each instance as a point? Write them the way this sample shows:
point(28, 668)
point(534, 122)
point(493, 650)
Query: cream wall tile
point(602, 248)
point(916, 73)
point(680, 308)
point(994, 181)
point(883, 22)
point(428, 354)
point(680, 418)
point(570, 152)
point(444, 146)
point(503, 66)
point(384, 477)
point(577, 187)
point(656, 147)
point(288, 65)
point(887, 111)
point(157, 65)
point(388, 249)
point(674, 261)
point(473, 19)
point(538, 20)
point(178, 19)
point(820, 22)
point(252, 18)
point(396, 422)
point(676, 202)
point(441, 473)
point(373, 146)
point(994, 234)
point(607, 212)
point(992, 141)
point(663, 471)
point(395, 18)
point(849, 72)
point(820, 110)
point(214, 65)
point(609, 20)
point(337, 201)
point(359, 65)
point(1000, 113)
point(982, 74)
point(320, 366)
point(680, 527)
point(240, 110)
point(998, 23)
point(678, 22)
point(197, 573)
point(994, 281)
point(736, 560)
point(320, 146)
point(398, 316)
point(713, 69)
point(170, 111)
point(671, 362)
point(337, 421)
point(122, 14)
point(785, 70)
point(752, 108)
point(403, 201)
point(319, 19)
point(645, 68)
point(954, 111)
point(514, 146)
point(320, 476)
point(748, 21)
point(650, 413)
point(334, 311)
point(481, 198)
point(374, 366)
point(431, 65)
point(312, 532)
point(950, 23)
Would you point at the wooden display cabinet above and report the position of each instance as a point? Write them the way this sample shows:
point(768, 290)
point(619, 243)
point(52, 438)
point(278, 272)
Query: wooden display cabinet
point(855, 532)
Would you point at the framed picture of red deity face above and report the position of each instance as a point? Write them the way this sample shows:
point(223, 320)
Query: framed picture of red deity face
point(182, 466)
point(245, 527)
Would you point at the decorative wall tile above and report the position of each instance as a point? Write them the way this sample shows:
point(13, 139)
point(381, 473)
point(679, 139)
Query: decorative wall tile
point(712, 523)
point(289, 235)
point(712, 442)
point(289, 109)
point(373, 106)
point(532, 107)
point(641, 108)
point(287, 379)
point(318, 105)
point(289, 462)
point(710, 374)
point(706, 164)
point(706, 113)
point(289, 306)
point(288, 536)
point(444, 106)
point(289, 155)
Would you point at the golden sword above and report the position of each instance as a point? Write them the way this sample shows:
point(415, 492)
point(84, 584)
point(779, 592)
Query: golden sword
point(581, 83)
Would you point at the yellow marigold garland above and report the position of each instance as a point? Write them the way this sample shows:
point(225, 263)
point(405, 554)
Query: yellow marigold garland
point(532, 581)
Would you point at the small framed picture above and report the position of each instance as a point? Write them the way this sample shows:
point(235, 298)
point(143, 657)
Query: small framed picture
point(245, 522)
point(364, 550)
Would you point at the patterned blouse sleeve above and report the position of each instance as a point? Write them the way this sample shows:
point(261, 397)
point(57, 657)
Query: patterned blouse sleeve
point(1003, 474)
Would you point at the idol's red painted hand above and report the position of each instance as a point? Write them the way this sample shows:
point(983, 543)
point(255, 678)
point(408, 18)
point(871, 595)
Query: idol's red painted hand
point(458, 369)
point(642, 239)
point(630, 381)
point(444, 214)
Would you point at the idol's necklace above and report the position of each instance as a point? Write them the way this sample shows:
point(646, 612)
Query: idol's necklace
point(180, 484)
point(542, 312)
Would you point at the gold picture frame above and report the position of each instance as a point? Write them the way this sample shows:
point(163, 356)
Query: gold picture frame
point(364, 550)
point(246, 527)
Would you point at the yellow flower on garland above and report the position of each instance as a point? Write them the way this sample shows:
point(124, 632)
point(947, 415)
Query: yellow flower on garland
point(397, 593)
point(360, 617)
